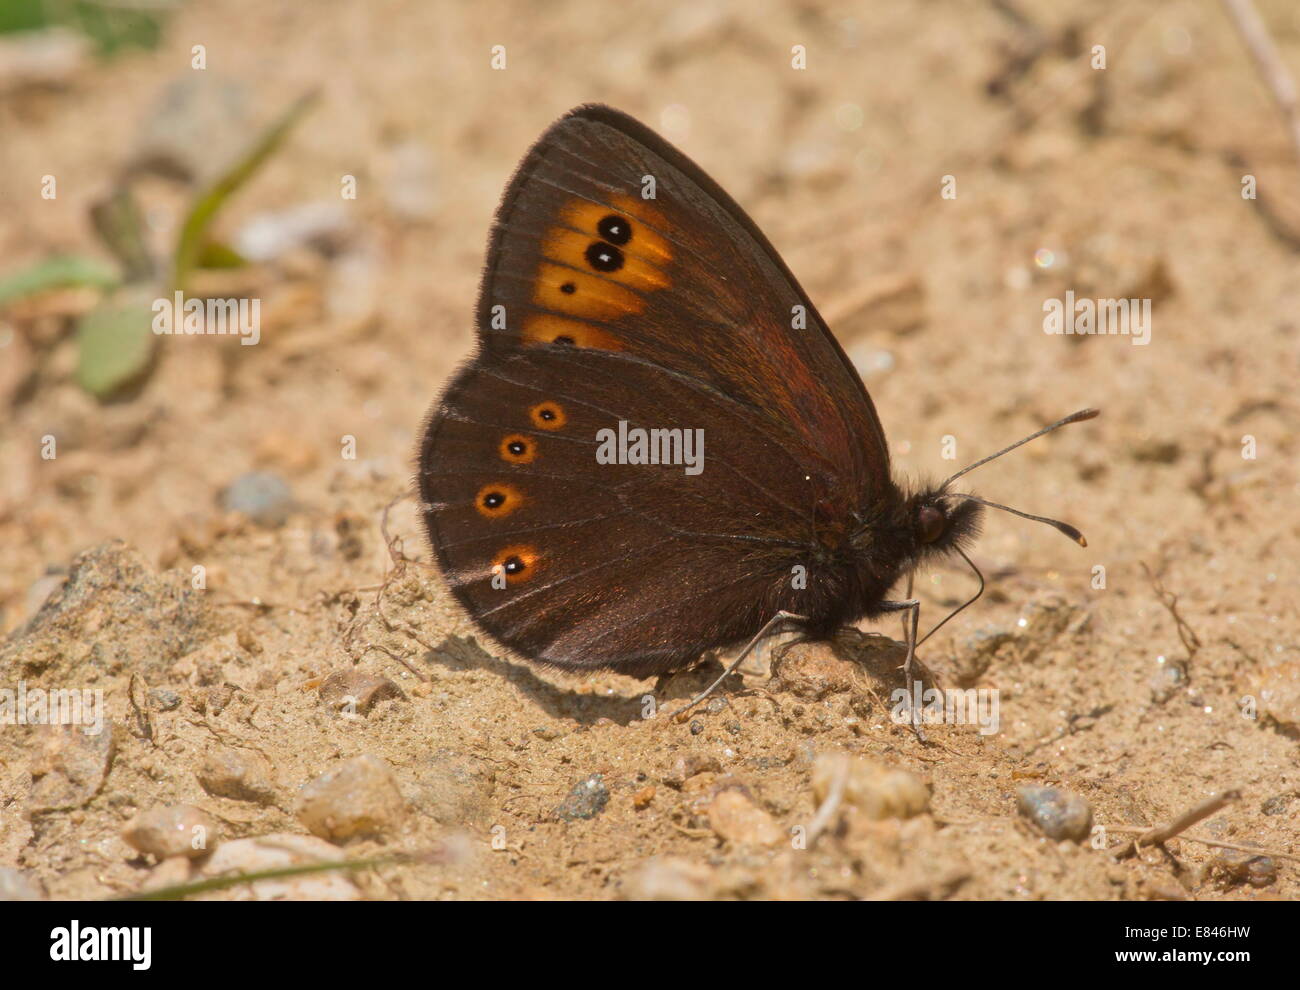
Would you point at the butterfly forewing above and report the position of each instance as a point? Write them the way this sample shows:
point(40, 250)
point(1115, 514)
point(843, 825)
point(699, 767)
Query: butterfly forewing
point(610, 238)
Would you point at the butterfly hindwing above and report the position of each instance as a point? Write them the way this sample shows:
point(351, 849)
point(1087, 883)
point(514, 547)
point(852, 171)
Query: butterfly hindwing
point(578, 563)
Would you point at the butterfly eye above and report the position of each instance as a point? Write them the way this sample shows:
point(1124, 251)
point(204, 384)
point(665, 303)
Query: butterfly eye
point(517, 449)
point(614, 229)
point(604, 257)
point(930, 523)
point(547, 415)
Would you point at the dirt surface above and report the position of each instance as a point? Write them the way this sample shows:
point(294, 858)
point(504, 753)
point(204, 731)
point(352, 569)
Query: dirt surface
point(1143, 690)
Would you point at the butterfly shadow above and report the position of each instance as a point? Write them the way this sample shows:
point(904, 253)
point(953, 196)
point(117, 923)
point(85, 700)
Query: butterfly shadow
point(464, 653)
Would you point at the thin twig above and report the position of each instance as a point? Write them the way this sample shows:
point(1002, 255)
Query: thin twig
point(1260, 45)
point(1191, 642)
point(1163, 833)
point(419, 674)
point(1257, 850)
point(826, 813)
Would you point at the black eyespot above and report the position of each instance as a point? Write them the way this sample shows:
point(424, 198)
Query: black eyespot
point(513, 565)
point(494, 500)
point(568, 288)
point(563, 340)
point(604, 257)
point(615, 229)
point(546, 414)
point(516, 447)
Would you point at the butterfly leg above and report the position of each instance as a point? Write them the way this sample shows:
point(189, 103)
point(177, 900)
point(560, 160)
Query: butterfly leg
point(768, 628)
point(910, 622)
point(910, 576)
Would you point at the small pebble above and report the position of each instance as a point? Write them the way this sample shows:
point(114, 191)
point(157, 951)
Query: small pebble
point(1167, 681)
point(687, 766)
point(17, 885)
point(172, 830)
point(277, 851)
point(359, 797)
point(169, 873)
point(68, 766)
point(813, 670)
point(587, 799)
point(1237, 866)
point(1058, 813)
point(262, 496)
point(643, 797)
point(878, 791)
point(238, 774)
point(357, 691)
point(669, 878)
point(165, 699)
point(735, 817)
point(1277, 804)
point(1277, 687)
point(218, 697)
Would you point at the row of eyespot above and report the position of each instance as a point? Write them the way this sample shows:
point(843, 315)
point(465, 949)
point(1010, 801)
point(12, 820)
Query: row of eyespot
point(498, 500)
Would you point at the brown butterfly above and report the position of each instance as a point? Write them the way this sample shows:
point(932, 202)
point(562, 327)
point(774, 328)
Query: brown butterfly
point(627, 296)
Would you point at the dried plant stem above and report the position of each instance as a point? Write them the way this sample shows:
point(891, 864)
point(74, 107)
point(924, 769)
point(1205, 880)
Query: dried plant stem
point(826, 813)
point(1260, 45)
point(1163, 833)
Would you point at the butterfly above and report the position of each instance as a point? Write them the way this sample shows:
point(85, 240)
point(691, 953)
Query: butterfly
point(627, 301)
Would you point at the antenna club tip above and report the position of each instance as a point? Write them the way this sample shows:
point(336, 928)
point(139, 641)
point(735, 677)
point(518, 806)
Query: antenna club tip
point(1082, 541)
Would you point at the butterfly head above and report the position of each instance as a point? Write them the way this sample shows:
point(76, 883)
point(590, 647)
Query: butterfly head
point(942, 521)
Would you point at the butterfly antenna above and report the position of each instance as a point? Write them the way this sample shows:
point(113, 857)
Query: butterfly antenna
point(970, 601)
point(1056, 524)
point(1078, 417)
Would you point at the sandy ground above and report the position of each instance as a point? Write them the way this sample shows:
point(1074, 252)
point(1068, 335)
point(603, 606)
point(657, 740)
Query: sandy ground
point(1175, 678)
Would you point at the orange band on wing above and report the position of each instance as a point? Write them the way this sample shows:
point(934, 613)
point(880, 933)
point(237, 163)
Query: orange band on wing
point(543, 328)
point(643, 242)
point(570, 247)
point(576, 293)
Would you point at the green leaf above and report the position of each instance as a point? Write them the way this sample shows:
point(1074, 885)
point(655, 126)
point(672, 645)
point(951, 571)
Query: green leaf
point(58, 272)
point(218, 254)
point(209, 202)
point(115, 344)
point(111, 24)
